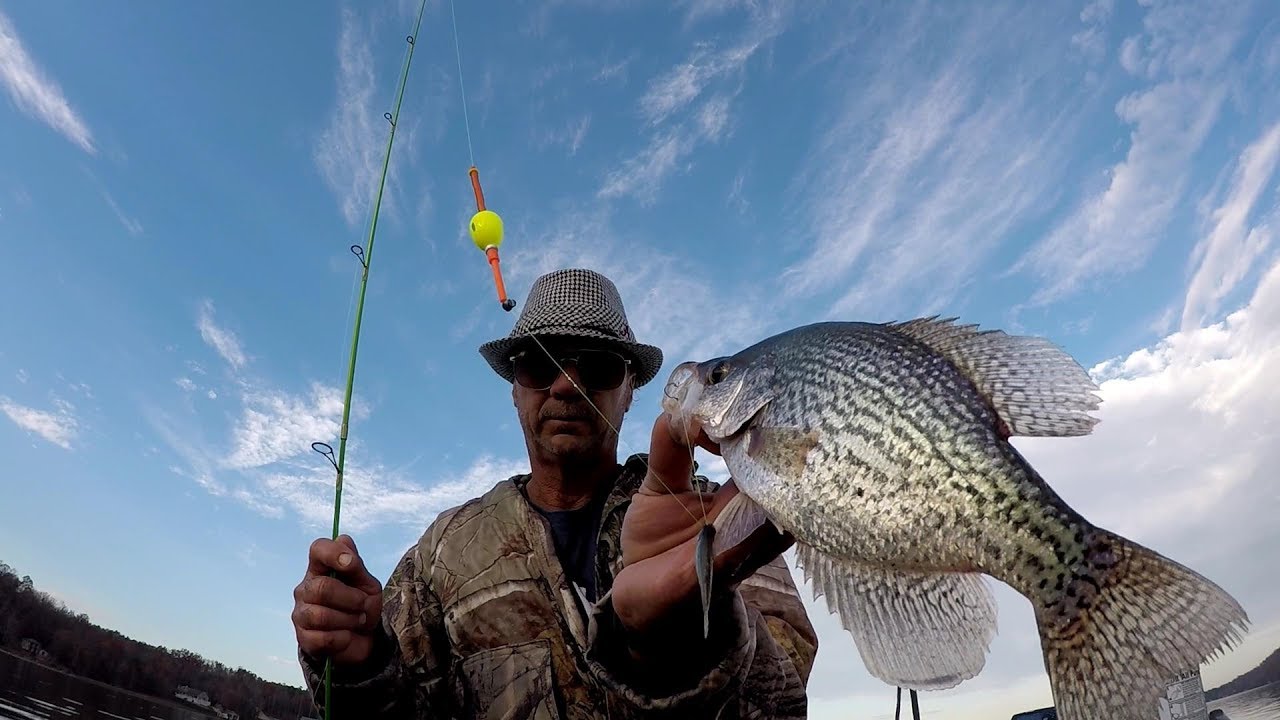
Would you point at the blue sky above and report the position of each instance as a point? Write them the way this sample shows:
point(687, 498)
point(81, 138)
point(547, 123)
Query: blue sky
point(179, 186)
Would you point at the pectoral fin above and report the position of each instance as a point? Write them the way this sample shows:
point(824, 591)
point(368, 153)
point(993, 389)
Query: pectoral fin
point(783, 451)
point(925, 631)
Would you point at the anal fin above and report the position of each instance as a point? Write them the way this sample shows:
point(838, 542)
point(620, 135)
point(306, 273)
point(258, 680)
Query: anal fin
point(924, 631)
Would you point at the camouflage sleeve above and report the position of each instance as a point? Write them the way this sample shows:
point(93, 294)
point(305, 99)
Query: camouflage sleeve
point(404, 678)
point(756, 663)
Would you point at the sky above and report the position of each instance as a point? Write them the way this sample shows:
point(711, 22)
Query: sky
point(180, 184)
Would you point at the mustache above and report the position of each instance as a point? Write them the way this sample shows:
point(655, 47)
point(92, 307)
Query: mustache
point(566, 412)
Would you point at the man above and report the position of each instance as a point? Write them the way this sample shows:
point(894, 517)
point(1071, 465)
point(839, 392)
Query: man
point(570, 591)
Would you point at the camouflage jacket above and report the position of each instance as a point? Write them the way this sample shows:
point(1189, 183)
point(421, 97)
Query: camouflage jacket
point(480, 621)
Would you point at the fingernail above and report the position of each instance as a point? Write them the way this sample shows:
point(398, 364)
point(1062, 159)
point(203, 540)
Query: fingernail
point(344, 559)
point(363, 618)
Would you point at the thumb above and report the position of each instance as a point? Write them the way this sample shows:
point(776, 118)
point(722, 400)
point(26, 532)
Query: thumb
point(670, 461)
point(356, 571)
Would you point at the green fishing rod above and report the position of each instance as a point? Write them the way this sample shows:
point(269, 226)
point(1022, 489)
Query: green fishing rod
point(364, 255)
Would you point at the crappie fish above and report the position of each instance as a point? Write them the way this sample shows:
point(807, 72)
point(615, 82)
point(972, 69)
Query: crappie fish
point(884, 450)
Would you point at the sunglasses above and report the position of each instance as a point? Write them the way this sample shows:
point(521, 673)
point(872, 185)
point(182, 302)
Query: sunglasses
point(597, 369)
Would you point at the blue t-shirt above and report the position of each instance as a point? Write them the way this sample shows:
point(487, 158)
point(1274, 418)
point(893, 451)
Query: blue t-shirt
point(574, 534)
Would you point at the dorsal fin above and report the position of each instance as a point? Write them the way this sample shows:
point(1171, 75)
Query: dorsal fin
point(1034, 386)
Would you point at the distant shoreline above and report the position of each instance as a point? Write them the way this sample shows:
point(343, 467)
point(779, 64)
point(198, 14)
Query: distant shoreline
point(132, 693)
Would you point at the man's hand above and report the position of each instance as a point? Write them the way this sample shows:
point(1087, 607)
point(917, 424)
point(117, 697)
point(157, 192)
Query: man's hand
point(336, 616)
point(656, 595)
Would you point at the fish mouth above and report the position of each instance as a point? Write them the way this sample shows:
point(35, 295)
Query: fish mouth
point(678, 395)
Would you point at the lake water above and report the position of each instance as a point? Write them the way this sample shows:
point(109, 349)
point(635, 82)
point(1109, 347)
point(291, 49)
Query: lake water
point(29, 691)
point(1258, 704)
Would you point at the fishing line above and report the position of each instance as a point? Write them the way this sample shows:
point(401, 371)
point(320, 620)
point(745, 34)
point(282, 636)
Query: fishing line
point(688, 442)
point(458, 50)
point(365, 256)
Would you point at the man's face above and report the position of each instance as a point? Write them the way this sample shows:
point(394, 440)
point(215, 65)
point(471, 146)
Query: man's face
point(559, 422)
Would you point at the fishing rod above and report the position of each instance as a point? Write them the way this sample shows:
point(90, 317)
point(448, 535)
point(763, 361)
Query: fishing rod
point(365, 256)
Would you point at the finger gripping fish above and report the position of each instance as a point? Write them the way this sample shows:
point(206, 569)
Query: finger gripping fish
point(884, 449)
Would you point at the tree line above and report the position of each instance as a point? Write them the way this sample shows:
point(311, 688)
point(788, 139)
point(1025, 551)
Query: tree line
point(78, 646)
point(1266, 672)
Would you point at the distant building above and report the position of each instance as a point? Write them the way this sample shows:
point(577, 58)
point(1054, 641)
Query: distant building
point(192, 695)
point(32, 647)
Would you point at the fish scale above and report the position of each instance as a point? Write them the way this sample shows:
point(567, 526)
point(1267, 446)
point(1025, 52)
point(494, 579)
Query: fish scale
point(884, 450)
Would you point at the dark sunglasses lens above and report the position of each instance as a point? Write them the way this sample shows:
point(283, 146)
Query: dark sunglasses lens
point(597, 369)
point(535, 371)
point(601, 370)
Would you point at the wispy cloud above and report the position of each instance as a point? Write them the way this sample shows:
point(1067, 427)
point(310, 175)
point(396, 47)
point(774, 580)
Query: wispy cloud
point(932, 162)
point(58, 426)
point(679, 122)
point(131, 225)
point(264, 460)
point(35, 93)
point(1232, 245)
point(349, 150)
point(641, 175)
point(374, 495)
point(570, 134)
point(276, 425)
point(220, 339)
point(667, 300)
point(681, 85)
point(1091, 41)
point(1185, 46)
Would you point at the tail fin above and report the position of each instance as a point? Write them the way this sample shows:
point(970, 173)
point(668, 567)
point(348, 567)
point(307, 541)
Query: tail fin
point(1118, 634)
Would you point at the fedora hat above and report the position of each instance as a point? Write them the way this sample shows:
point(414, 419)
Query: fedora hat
point(574, 303)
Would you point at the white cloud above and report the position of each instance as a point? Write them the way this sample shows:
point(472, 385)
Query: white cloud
point(1091, 41)
point(1186, 45)
point(220, 339)
point(276, 425)
point(35, 93)
point(58, 426)
point(1183, 461)
point(373, 495)
point(1231, 247)
point(267, 464)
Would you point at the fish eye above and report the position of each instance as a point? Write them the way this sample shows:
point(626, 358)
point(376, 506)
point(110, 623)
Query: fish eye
point(719, 372)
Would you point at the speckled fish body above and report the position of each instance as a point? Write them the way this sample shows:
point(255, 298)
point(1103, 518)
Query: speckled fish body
point(884, 449)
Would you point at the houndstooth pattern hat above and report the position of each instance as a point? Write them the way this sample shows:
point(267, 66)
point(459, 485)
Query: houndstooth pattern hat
point(575, 303)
